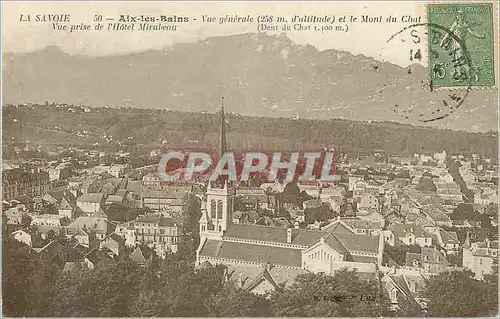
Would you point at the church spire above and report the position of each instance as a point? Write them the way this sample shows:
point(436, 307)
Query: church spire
point(222, 141)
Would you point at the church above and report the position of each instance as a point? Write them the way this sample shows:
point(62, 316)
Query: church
point(262, 257)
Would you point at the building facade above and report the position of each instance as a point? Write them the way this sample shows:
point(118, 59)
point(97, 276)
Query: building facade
point(326, 250)
point(19, 181)
point(160, 233)
point(90, 203)
point(170, 197)
point(479, 257)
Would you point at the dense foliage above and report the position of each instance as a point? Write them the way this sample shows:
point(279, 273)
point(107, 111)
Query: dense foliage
point(397, 253)
point(26, 281)
point(149, 127)
point(173, 287)
point(425, 184)
point(170, 288)
point(319, 295)
point(121, 213)
point(119, 289)
point(458, 294)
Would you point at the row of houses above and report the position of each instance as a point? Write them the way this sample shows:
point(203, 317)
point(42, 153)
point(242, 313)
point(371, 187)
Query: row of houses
point(160, 233)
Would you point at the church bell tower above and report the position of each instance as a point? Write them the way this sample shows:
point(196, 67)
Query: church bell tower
point(217, 210)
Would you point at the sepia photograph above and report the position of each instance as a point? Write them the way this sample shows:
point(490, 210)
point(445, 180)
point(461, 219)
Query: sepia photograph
point(250, 158)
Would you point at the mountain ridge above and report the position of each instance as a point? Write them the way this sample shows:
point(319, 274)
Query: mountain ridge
point(257, 73)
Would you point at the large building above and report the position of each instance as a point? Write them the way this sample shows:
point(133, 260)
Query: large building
point(90, 203)
point(19, 181)
point(160, 233)
point(326, 251)
point(480, 257)
point(169, 197)
point(247, 248)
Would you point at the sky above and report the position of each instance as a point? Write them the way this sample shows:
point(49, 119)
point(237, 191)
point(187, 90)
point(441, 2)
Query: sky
point(369, 39)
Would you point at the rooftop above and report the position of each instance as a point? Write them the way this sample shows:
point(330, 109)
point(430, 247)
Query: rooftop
point(252, 253)
point(157, 219)
point(302, 237)
point(100, 225)
point(48, 216)
point(114, 198)
point(91, 198)
point(59, 195)
point(449, 237)
point(165, 193)
point(483, 252)
point(401, 230)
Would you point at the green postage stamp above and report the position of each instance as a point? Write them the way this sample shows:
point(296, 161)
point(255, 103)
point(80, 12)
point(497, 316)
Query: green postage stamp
point(461, 45)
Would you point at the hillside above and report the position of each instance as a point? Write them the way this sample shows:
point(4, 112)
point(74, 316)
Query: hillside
point(260, 75)
point(51, 125)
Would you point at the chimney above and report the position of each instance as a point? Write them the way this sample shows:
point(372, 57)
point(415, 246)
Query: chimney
point(289, 236)
point(487, 240)
point(74, 192)
point(240, 281)
point(269, 266)
point(296, 225)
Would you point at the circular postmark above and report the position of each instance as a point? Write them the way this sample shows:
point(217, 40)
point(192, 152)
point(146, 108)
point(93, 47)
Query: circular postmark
point(446, 55)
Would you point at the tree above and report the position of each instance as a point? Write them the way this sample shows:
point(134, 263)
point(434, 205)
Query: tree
point(238, 205)
point(144, 304)
point(25, 220)
point(457, 294)
point(179, 290)
point(187, 248)
point(491, 210)
point(321, 213)
point(51, 235)
point(192, 212)
point(292, 194)
point(426, 184)
point(456, 259)
point(15, 279)
point(492, 287)
point(398, 252)
point(485, 221)
point(120, 212)
point(107, 291)
point(493, 277)
point(65, 221)
point(192, 215)
point(320, 295)
point(232, 301)
point(465, 211)
point(291, 189)
point(408, 307)
point(28, 283)
point(43, 286)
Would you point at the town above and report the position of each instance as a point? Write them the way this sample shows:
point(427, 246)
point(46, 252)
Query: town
point(399, 222)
